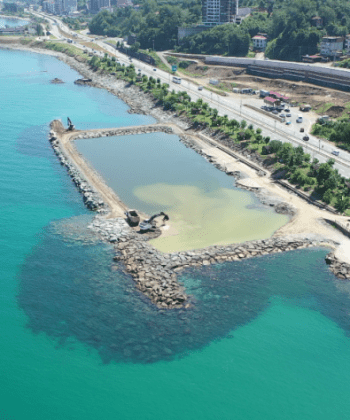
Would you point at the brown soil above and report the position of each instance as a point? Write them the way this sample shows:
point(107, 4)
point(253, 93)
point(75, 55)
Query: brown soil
point(298, 91)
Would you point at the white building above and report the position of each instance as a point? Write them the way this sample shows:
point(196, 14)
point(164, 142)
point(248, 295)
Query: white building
point(332, 46)
point(259, 42)
point(347, 44)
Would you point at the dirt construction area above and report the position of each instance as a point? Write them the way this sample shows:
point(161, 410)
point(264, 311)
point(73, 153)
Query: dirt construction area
point(323, 100)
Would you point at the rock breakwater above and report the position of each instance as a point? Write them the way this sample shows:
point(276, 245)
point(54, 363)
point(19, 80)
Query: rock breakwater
point(339, 268)
point(153, 128)
point(156, 273)
point(91, 197)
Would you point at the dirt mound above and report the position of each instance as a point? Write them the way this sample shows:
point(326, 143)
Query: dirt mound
point(335, 111)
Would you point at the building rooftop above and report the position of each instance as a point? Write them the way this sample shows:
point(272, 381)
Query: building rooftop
point(259, 37)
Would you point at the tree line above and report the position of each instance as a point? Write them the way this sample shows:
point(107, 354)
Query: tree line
point(288, 25)
point(155, 24)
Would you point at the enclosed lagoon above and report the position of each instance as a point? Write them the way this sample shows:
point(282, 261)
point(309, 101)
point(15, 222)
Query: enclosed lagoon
point(155, 172)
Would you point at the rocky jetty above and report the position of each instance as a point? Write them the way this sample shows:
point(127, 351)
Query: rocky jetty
point(122, 131)
point(339, 268)
point(91, 197)
point(155, 273)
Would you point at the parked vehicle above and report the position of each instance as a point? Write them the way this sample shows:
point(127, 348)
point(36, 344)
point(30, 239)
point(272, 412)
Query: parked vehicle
point(335, 153)
point(299, 119)
point(283, 115)
point(275, 111)
point(306, 138)
point(302, 130)
point(154, 69)
point(200, 87)
point(288, 115)
point(288, 122)
point(287, 109)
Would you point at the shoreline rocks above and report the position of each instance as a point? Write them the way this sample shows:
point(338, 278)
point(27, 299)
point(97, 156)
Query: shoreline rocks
point(338, 268)
point(56, 81)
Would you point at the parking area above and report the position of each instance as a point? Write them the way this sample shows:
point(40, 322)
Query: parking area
point(289, 114)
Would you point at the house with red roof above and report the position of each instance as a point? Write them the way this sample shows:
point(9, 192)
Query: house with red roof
point(259, 42)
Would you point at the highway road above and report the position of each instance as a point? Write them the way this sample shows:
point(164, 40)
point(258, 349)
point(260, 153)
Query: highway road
point(320, 149)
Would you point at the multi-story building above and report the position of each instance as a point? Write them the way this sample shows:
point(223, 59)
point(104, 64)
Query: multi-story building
point(96, 5)
point(332, 46)
point(217, 12)
point(49, 6)
point(259, 42)
point(58, 7)
point(65, 6)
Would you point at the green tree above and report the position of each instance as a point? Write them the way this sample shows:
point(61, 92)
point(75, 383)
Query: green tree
point(327, 196)
point(323, 173)
point(243, 124)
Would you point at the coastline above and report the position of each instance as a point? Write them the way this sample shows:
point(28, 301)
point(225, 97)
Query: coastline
point(15, 17)
point(303, 230)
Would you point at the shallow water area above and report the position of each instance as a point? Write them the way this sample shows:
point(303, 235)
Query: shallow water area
point(156, 172)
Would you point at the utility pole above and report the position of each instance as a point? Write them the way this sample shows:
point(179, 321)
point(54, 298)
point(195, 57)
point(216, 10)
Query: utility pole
point(153, 44)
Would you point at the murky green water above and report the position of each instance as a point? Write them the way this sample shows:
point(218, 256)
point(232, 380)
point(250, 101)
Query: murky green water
point(156, 172)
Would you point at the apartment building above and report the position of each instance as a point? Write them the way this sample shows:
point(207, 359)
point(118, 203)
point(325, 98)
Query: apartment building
point(332, 46)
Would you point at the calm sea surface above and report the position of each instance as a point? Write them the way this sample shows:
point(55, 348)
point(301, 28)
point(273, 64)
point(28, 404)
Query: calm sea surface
point(11, 22)
point(267, 339)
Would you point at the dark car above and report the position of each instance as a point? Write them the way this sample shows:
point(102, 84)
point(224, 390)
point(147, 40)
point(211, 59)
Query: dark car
point(287, 110)
point(301, 130)
point(306, 138)
point(289, 115)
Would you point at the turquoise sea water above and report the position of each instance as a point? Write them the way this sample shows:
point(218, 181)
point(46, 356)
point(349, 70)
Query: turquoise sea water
point(268, 338)
point(11, 22)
